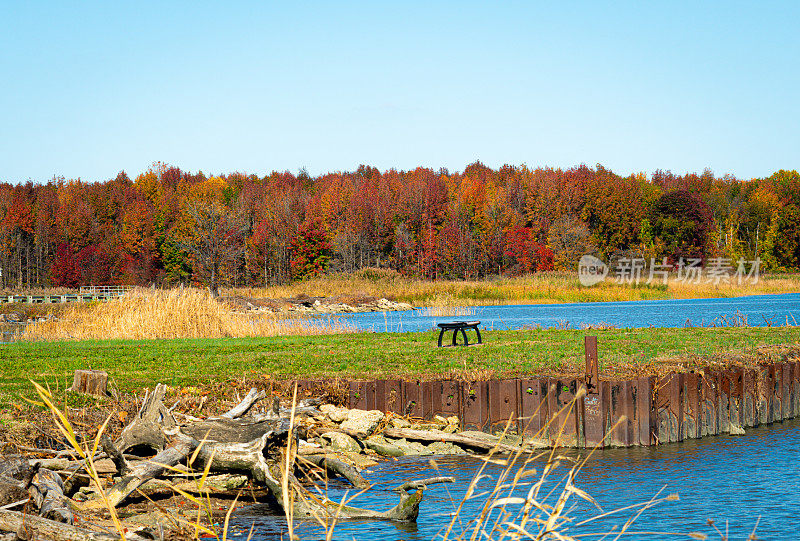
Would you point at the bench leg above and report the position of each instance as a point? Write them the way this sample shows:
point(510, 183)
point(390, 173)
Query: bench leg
point(479, 334)
point(455, 333)
point(441, 332)
point(464, 334)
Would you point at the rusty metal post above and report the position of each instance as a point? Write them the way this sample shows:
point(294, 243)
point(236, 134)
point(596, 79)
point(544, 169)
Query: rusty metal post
point(724, 410)
point(563, 428)
point(645, 410)
point(796, 387)
point(735, 399)
point(788, 403)
point(691, 413)
point(622, 413)
point(504, 404)
point(776, 373)
point(358, 394)
point(388, 395)
point(417, 399)
point(475, 405)
point(448, 392)
point(593, 415)
point(749, 394)
point(531, 404)
point(618, 431)
point(670, 408)
point(592, 377)
point(765, 395)
point(709, 423)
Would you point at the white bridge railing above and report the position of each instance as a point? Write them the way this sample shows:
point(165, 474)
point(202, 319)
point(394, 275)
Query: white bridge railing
point(105, 291)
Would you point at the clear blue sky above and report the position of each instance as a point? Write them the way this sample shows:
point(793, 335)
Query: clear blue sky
point(89, 89)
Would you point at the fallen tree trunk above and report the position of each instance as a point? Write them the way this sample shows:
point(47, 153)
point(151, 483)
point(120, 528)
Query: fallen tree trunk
point(33, 527)
point(338, 467)
point(458, 439)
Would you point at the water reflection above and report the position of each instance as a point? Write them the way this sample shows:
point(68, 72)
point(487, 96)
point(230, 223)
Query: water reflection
point(756, 310)
point(724, 478)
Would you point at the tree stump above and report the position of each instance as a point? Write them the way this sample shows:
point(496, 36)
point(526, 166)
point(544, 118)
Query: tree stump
point(91, 382)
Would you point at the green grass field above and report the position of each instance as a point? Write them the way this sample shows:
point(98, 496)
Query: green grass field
point(133, 364)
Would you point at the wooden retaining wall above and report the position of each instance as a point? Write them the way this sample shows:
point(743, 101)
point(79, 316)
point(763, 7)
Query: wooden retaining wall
point(642, 411)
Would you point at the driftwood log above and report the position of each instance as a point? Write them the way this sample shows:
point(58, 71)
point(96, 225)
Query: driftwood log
point(33, 527)
point(254, 446)
point(146, 429)
point(337, 467)
point(485, 445)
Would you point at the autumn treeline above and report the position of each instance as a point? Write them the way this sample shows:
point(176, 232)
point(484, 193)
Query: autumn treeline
point(169, 226)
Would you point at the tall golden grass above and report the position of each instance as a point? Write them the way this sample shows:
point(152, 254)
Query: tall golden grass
point(178, 313)
point(540, 288)
point(443, 305)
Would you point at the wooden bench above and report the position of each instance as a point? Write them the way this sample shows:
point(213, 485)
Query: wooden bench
point(457, 326)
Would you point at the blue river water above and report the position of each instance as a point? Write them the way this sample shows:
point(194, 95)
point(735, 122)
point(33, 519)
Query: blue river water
point(741, 483)
point(755, 310)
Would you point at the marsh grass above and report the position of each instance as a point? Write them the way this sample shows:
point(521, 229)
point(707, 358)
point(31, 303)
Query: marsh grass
point(540, 288)
point(445, 305)
point(177, 313)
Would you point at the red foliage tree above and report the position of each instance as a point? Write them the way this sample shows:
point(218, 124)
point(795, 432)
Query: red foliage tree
point(526, 255)
point(311, 251)
point(64, 272)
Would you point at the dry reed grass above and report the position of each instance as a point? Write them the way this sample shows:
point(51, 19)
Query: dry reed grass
point(540, 288)
point(527, 503)
point(444, 305)
point(179, 313)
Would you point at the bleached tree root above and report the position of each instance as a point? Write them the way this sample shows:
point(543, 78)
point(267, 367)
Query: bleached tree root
point(148, 425)
point(148, 469)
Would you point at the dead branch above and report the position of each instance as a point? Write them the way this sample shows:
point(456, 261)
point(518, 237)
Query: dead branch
point(148, 469)
point(244, 406)
point(338, 467)
point(116, 457)
point(423, 483)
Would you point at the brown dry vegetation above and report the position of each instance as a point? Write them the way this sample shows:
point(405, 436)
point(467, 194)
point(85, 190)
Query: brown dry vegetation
point(539, 288)
point(178, 313)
